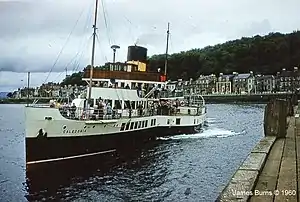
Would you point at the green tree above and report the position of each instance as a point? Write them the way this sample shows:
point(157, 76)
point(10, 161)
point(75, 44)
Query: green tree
point(261, 54)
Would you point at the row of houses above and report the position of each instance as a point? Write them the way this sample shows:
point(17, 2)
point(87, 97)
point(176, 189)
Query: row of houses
point(235, 83)
point(240, 83)
point(50, 90)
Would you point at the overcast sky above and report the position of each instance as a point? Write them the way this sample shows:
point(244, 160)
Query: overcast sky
point(34, 33)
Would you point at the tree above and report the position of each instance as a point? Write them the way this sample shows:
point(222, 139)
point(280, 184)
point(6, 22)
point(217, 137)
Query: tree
point(261, 54)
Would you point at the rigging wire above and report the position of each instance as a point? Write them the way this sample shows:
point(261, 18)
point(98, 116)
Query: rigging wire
point(77, 63)
point(89, 19)
point(105, 17)
point(130, 30)
point(68, 38)
point(82, 43)
point(105, 58)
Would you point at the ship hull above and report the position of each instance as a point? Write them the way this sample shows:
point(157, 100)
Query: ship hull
point(52, 138)
point(51, 149)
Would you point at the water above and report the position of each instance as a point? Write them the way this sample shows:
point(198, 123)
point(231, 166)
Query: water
point(179, 168)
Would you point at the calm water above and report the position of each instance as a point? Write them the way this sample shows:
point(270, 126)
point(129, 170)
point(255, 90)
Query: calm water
point(179, 168)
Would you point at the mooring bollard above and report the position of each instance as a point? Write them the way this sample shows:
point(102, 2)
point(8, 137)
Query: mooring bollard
point(275, 118)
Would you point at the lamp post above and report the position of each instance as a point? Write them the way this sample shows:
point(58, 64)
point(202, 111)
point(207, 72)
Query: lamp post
point(114, 48)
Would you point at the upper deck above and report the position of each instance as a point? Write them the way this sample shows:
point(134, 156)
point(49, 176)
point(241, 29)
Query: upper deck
point(125, 75)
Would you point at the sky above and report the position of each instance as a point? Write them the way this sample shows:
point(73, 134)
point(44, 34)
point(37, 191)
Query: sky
point(50, 38)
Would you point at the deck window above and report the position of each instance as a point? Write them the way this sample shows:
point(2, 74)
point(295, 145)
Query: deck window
point(168, 121)
point(143, 124)
point(131, 125)
point(140, 124)
point(154, 122)
point(136, 125)
point(127, 126)
point(146, 123)
point(178, 121)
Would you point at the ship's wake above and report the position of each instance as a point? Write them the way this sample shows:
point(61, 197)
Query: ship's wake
point(205, 133)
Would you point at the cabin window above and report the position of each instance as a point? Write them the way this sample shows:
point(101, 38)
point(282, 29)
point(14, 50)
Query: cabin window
point(143, 124)
point(153, 122)
point(140, 124)
point(194, 121)
point(168, 121)
point(177, 121)
point(122, 126)
point(146, 123)
point(131, 125)
point(122, 84)
point(127, 126)
point(136, 125)
point(118, 104)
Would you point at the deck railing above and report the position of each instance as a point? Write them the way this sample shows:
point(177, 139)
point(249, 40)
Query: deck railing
point(94, 114)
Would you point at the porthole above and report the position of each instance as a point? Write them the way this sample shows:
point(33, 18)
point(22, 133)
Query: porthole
point(84, 127)
point(93, 126)
point(64, 127)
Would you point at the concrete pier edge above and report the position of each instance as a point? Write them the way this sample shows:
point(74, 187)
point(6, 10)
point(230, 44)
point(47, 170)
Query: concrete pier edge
point(244, 180)
point(242, 184)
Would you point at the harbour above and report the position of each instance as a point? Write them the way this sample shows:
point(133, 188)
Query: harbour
point(186, 167)
point(91, 112)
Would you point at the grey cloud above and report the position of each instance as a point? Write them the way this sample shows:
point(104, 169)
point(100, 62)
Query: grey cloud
point(32, 33)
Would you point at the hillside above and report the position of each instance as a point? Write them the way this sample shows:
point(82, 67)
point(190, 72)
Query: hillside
point(3, 94)
point(260, 54)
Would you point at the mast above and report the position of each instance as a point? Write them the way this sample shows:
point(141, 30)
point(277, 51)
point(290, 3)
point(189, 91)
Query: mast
point(28, 83)
point(93, 51)
point(167, 48)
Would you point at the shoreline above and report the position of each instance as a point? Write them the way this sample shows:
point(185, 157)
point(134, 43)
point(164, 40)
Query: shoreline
point(209, 99)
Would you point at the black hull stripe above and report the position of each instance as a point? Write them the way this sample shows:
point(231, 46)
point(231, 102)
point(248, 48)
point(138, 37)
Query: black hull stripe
point(44, 149)
point(70, 157)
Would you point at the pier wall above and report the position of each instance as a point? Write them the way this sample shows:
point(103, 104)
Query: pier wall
point(278, 121)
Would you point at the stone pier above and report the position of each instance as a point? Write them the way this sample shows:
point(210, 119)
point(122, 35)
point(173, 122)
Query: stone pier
point(271, 171)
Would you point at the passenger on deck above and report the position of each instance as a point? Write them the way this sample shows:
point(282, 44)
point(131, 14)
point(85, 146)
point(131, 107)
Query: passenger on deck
point(140, 109)
point(127, 87)
point(73, 110)
point(108, 109)
point(52, 103)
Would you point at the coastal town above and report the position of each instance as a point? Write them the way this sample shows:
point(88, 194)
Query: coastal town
point(221, 84)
